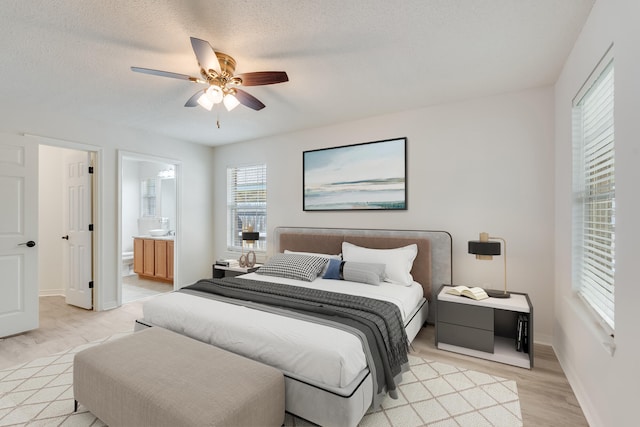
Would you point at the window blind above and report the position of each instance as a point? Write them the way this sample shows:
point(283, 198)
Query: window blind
point(148, 199)
point(594, 195)
point(246, 205)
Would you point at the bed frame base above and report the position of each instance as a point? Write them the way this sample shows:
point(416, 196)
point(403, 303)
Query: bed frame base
point(417, 321)
point(324, 408)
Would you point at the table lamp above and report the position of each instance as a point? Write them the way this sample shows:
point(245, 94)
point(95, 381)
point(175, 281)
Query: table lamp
point(485, 249)
point(248, 260)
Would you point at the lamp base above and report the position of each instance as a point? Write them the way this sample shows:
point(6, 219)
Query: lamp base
point(494, 293)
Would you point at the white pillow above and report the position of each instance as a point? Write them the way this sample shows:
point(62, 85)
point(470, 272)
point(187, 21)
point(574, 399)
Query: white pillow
point(398, 262)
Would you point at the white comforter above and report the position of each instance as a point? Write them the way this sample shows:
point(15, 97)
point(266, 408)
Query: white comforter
point(316, 353)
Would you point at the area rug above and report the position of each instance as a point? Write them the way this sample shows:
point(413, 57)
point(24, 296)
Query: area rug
point(40, 393)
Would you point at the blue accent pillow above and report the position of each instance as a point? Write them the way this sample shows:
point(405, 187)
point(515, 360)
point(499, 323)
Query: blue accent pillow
point(361, 272)
point(334, 270)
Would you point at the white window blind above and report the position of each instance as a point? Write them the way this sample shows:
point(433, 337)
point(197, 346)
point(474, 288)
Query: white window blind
point(594, 194)
point(246, 205)
point(148, 198)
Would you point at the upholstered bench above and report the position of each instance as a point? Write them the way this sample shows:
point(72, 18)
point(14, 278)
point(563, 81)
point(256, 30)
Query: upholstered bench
point(160, 378)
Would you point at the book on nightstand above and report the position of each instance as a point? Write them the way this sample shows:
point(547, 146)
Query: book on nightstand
point(473, 293)
point(228, 262)
point(525, 342)
point(522, 333)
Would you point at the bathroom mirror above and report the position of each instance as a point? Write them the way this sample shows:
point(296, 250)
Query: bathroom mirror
point(157, 191)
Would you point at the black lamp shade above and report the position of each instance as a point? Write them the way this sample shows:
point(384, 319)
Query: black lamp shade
point(477, 247)
point(250, 235)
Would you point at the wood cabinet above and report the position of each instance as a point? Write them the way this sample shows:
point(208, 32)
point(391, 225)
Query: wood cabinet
point(138, 256)
point(170, 259)
point(149, 257)
point(153, 258)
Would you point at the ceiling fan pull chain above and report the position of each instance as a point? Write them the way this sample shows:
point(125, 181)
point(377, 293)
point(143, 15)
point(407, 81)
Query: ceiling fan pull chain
point(218, 120)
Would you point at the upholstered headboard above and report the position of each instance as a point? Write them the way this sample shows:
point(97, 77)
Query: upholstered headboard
point(431, 268)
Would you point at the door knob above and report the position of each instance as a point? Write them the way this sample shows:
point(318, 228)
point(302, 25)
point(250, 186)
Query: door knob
point(28, 244)
point(66, 237)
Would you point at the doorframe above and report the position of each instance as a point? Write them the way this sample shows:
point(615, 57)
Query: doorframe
point(132, 155)
point(96, 206)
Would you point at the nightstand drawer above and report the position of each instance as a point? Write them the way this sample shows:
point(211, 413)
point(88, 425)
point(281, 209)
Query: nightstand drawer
point(466, 315)
point(464, 336)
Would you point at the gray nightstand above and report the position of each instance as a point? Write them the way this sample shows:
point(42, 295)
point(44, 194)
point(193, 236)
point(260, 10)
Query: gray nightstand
point(220, 271)
point(487, 328)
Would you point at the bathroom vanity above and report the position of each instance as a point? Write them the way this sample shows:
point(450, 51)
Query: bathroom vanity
point(153, 257)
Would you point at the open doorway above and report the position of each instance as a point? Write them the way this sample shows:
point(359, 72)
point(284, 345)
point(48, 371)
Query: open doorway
point(148, 225)
point(65, 262)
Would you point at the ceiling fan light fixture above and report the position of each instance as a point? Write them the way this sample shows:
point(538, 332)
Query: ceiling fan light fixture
point(215, 94)
point(230, 102)
point(211, 96)
point(205, 102)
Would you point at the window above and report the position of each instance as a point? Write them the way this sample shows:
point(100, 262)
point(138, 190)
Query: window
point(148, 197)
point(246, 205)
point(594, 193)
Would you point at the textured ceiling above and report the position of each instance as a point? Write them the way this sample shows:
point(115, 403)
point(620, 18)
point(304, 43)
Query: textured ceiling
point(345, 59)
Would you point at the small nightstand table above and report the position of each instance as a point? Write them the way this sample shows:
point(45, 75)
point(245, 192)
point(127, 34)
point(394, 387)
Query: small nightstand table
point(220, 271)
point(487, 329)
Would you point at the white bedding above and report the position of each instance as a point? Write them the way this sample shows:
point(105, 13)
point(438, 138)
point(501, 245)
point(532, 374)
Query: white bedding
point(405, 297)
point(316, 353)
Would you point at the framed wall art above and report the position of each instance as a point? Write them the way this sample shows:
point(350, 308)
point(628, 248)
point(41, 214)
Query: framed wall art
point(366, 176)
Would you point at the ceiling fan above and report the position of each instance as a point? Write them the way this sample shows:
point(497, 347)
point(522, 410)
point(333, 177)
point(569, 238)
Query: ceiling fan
point(217, 70)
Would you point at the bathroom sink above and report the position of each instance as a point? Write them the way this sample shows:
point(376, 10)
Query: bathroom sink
point(158, 232)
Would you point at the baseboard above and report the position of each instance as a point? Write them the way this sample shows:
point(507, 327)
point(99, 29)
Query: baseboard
point(543, 339)
point(51, 293)
point(108, 306)
point(578, 390)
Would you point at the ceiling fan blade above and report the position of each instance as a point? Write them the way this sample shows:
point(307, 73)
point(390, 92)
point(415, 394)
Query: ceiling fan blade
point(206, 56)
point(166, 74)
point(249, 100)
point(193, 101)
point(260, 78)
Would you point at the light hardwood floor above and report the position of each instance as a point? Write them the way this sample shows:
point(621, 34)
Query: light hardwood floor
point(135, 288)
point(546, 398)
point(64, 326)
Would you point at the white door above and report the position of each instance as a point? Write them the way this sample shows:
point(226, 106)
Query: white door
point(18, 235)
point(77, 217)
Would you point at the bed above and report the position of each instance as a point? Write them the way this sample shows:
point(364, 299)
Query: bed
point(332, 376)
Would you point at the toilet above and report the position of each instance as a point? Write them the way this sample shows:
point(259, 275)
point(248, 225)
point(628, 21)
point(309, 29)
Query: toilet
point(127, 263)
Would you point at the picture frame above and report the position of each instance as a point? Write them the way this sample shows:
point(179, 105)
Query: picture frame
point(364, 176)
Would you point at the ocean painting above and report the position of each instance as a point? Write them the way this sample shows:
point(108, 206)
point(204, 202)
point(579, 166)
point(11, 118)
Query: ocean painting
point(368, 176)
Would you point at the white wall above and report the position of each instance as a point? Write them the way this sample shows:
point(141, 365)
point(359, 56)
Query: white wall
point(130, 202)
point(606, 385)
point(479, 165)
point(194, 250)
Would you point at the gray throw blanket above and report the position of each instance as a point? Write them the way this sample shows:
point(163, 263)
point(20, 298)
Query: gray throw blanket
point(381, 319)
